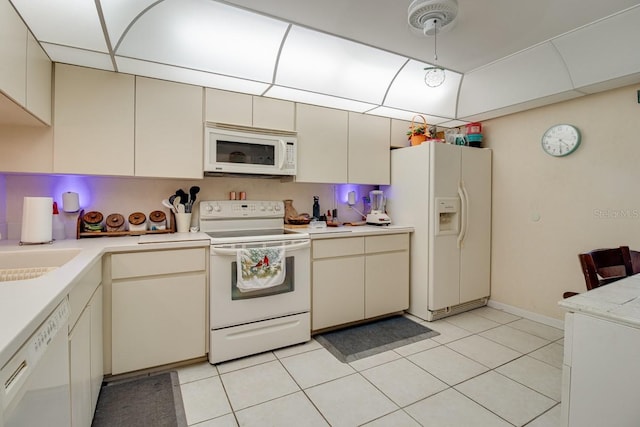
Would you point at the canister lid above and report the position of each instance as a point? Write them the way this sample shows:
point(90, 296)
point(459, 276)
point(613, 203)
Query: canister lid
point(137, 218)
point(93, 217)
point(157, 216)
point(115, 220)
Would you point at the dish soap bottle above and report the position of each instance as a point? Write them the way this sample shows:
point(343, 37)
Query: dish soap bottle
point(57, 226)
point(316, 207)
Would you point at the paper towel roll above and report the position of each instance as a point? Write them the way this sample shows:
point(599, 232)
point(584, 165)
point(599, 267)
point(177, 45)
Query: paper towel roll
point(70, 202)
point(37, 218)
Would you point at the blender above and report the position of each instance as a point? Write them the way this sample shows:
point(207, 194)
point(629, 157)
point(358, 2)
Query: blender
point(377, 216)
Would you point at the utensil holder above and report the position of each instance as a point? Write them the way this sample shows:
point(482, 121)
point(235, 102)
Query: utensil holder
point(183, 222)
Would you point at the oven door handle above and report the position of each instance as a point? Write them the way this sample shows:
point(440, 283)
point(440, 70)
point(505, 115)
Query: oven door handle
point(289, 248)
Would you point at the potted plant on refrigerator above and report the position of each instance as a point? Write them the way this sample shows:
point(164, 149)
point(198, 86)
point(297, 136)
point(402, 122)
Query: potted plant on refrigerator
point(418, 133)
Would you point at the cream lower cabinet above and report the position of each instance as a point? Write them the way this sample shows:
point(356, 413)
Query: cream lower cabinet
point(158, 308)
point(85, 346)
point(356, 278)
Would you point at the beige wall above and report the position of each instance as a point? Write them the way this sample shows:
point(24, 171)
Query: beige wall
point(127, 195)
point(546, 210)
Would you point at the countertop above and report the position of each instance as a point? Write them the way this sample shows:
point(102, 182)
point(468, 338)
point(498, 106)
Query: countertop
point(618, 301)
point(352, 231)
point(25, 304)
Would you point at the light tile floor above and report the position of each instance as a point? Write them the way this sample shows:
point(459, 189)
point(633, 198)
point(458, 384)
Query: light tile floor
point(486, 368)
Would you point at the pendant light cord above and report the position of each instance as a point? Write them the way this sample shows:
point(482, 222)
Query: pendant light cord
point(435, 40)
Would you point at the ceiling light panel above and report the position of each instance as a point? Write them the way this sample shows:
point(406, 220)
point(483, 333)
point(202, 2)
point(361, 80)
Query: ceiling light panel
point(85, 58)
point(395, 113)
point(184, 75)
point(322, 63)
point(409, 92)
point(66, 22)
point(119, 14)
point(318, 99)
point(206, 36)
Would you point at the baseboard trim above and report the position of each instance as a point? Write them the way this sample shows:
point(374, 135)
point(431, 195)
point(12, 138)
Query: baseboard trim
point(549, 321)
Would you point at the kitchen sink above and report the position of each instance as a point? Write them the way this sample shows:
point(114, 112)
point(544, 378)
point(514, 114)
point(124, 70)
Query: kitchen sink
point(28, 264)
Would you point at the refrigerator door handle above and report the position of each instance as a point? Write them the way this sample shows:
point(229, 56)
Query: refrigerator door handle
point(463, 213)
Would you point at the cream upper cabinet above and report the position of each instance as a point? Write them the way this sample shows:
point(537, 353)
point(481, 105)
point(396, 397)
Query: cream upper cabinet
point(369, 152)
point(94, 121)
point(233, 108)
point(399, 137)
point(270, 113)
point(168, 129)
point(38, 81)
point(322, 144)
point(247, 110)
point(13, 53)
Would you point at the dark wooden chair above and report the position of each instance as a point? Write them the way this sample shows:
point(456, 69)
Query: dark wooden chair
point(604, 266)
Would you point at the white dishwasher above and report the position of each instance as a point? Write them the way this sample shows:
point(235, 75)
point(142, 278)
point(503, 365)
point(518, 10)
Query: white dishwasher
point(35, 382)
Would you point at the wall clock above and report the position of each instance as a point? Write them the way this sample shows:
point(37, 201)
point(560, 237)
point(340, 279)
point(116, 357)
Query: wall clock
point(561, 140)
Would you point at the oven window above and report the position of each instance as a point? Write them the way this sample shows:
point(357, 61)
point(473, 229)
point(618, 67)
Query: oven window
point(286, 286)
point(245, 152)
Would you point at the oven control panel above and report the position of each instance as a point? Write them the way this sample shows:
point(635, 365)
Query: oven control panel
point(219, 209)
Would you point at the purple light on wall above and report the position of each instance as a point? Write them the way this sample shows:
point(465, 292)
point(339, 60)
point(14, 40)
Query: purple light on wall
point(344, 189)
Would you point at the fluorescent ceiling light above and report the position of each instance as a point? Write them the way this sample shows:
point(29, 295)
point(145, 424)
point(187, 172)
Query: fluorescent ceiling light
point(207, 36)
point(453, 124)
point(318, 99)
point(64, 22)
point(118, 14)
point(184, 75)
point(406, 115)
point(70, 55)
point(323, 63)
point(407, 91)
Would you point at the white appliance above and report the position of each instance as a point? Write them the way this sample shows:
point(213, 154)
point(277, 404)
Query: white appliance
point(444, 192)
point(35, 388)
point(241, 151)
point(250, 322)
point(377, 216)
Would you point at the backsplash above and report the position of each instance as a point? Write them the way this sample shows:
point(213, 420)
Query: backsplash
point(127, 195)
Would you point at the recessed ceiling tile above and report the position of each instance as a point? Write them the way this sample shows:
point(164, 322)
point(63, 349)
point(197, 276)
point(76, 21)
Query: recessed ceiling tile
point(207, 36)
point(119, 14)
point(65, 22)
point(184, 75)
point(85, 58)
point(409, 91)
point(318, 99)
point(323, 63)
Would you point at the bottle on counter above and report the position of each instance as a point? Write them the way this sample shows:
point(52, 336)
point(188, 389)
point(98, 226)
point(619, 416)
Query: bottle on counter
point(57, 226)
point(316, 207)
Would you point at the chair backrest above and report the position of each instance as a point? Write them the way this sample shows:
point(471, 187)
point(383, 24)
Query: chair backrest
point(603, 266)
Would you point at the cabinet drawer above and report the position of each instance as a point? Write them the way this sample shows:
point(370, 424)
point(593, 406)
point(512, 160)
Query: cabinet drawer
point(331, 248)
point(138, 264)
point(82, 291)
point(388, 243)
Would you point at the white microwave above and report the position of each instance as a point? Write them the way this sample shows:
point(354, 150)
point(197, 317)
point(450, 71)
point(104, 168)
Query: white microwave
point(238, 151)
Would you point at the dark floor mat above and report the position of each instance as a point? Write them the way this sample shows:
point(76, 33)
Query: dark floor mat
point(151, 400)
point(360, 341)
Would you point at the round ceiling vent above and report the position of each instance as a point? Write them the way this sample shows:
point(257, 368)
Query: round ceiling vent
point(429, 16)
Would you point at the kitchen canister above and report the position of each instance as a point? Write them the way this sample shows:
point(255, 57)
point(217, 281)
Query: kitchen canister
point(92, 221)
point(115, 222)
point(137, 222)
point(37, 220)
point(157, 220)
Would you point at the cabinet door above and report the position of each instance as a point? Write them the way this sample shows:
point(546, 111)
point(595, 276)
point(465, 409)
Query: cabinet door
point(93, 123)
point(322, 144)
point(228, 107)
point(338, 291)
point(96, 347)
point(80, 376)
point(369, 152)
point(13, 53)
point(157, 320)
point(399, 130)
point(386, 283)
point(38, 81)
point(169, 129)
point(272, 113)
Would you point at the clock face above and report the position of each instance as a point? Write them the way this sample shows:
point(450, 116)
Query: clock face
point(561, 140)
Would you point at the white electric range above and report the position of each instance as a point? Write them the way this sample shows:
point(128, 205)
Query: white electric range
point(248, 321)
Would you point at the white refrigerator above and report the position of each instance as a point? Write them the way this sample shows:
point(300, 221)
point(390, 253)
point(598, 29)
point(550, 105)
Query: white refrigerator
point(444, 192)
